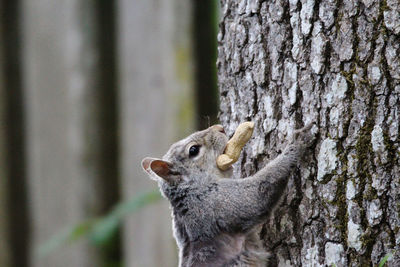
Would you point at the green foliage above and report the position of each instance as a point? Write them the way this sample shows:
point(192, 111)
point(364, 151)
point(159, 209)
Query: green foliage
point(99, 230)
point(385, 259)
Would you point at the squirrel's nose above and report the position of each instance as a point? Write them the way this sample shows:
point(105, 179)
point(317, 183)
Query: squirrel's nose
point(218, 127)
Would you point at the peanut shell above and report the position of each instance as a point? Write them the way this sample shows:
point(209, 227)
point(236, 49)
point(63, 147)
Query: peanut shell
point(235, 145)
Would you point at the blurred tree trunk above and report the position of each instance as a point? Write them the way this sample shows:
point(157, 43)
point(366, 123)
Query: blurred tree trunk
point(4, 215)
point(204, 34)
point(287, 63)
point(5, 251)
point(67, 96)
point(15, 213)
point(156, 104)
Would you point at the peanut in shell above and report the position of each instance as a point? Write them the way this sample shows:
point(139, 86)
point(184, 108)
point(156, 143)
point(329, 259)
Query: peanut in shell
point(235, 145)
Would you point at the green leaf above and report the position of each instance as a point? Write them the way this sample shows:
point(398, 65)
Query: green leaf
point(106, 227)
point(103, 231)
point(385, 259)
point(69, 234)
point(100, 230)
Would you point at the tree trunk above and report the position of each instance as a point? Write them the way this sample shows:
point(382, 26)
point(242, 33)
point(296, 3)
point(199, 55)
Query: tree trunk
point(5, 251)
point(283, 64)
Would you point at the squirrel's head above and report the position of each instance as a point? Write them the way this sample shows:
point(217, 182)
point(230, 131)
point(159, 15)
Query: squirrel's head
point(191, 158)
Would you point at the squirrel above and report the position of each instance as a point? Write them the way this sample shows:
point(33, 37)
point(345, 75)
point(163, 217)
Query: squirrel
point(215, 216)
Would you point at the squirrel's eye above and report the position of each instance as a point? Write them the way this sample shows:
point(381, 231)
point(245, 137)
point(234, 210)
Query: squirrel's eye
point(194, 150)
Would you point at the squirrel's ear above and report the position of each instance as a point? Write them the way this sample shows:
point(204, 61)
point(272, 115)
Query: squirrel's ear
point(146, 164)
point(160, 168)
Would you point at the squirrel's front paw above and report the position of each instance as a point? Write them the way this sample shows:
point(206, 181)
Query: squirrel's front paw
point(306, 135)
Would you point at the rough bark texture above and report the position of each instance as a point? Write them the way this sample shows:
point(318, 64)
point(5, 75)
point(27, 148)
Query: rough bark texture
point(286, 63)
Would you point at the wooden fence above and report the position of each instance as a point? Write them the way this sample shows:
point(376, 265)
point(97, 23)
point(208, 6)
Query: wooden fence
point(87, 89)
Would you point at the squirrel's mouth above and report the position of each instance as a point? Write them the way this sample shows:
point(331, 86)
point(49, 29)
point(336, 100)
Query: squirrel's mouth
point(219, 128)
point(220, 143)
point(225, 144)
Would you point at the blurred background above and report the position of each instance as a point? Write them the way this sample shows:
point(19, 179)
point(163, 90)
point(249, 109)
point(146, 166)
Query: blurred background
point(87, 89)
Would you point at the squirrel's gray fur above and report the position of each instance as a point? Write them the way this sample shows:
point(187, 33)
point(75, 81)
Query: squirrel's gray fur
point(216, 217)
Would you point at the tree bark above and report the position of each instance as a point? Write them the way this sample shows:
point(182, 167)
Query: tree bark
point(284, 64)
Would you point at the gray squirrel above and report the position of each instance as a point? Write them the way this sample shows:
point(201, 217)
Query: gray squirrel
point(216, 217)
